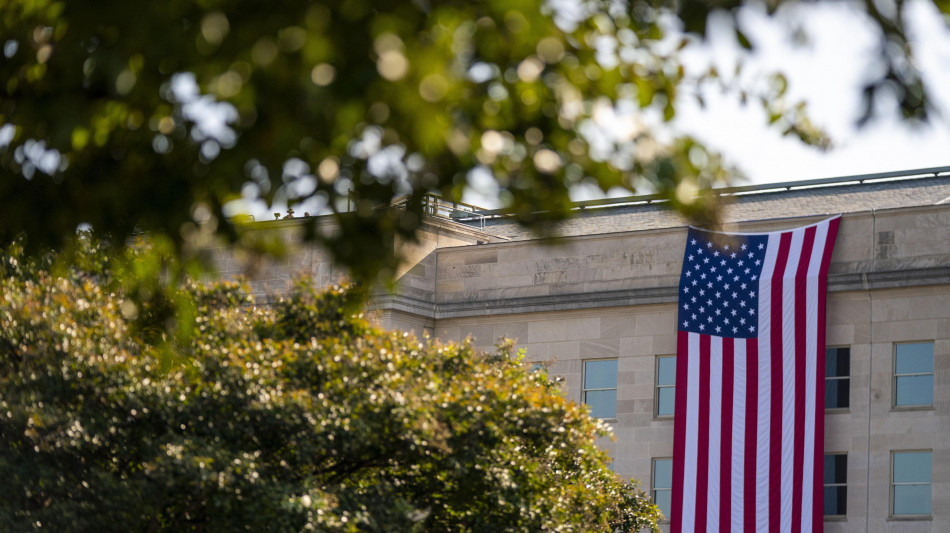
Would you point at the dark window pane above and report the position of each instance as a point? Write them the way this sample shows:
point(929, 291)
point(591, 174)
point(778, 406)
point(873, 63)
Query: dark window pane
point(912, 499)
point(836, 501)
point(837, 393)
point(836, 468)
point(600, 374)
point(844, 362)
point(603, 403)
point(915, 390)
point(666, 371)
point(666, 400)
point(912, 467)
point(915, 358)
point(837, 362)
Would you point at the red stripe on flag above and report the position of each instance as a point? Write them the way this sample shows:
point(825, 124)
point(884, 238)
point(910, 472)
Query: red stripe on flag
point(751, 437)
point(679, 431)
point(702, 459)
point(725, 450)
point(801, 312)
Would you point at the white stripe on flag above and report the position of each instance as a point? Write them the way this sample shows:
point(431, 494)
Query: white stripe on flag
point(692, 428)
point(738, 435)
point(788, 378)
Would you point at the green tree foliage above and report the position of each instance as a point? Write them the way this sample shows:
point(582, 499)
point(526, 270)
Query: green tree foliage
point(105, 106)
point(295, 417)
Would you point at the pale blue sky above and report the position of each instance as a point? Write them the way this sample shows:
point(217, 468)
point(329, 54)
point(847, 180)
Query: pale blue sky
point(828, 75)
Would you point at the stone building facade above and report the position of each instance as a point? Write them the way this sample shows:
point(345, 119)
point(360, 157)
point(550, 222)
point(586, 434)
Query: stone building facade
point(597, 307)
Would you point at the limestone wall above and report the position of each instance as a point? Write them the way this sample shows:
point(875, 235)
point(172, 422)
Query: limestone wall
point(613, 296)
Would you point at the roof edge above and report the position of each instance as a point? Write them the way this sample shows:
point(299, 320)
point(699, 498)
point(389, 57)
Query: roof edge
point(919, 173)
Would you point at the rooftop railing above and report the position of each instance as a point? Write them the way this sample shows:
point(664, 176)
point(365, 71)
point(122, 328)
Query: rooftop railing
point(434, 205)
point(931, 172)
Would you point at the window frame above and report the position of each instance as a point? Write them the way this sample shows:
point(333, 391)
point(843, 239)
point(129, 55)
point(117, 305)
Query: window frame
point(844, 484)
point(657, 386)
point(839, 378)
point(585, 390)
point(653, 487)
point(895, 376)
point(892, 484)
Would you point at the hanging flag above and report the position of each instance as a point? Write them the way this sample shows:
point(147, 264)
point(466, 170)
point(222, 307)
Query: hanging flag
point(749, 418)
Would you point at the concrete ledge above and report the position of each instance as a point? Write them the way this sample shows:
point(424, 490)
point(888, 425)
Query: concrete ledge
point(406, 304)
point(558, 302)
point(631, 297)
point(919, 277)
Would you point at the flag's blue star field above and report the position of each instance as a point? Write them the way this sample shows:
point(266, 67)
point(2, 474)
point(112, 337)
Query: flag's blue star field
point(718, 293)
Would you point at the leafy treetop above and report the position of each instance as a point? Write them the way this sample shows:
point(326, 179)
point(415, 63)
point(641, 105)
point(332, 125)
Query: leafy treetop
point(296, 417)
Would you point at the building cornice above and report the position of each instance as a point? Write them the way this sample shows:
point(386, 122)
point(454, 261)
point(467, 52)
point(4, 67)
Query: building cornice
point(566, 301)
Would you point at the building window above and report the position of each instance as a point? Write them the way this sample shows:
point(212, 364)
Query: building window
point(837, 378)
point(836, 484)
point(914, 374)
point(663, 485)
point(600, 387)
point(665, 385)
point(910, 483)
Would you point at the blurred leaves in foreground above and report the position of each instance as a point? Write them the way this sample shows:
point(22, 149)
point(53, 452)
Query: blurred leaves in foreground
point(295, 417)
point(174, 117)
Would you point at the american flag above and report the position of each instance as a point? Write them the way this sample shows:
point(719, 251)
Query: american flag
point(749, 418)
